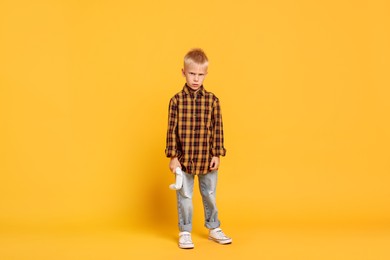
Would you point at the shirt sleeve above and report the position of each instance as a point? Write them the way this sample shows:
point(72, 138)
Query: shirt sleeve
point(218, 148)
point(171, 141)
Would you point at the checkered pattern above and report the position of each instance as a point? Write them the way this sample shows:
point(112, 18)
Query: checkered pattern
point(195, 131)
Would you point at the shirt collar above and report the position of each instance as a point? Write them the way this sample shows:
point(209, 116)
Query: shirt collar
point(187, 90)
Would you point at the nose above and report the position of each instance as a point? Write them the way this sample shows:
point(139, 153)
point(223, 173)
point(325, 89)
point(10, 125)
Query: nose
point(196, 78)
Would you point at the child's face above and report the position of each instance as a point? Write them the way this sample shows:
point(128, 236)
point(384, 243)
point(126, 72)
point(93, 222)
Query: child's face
point(194, 74)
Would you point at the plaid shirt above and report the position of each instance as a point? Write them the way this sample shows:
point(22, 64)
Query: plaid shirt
point(195, 132)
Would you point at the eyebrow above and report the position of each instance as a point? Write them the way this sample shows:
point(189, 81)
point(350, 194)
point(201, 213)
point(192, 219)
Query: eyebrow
point(191, 72)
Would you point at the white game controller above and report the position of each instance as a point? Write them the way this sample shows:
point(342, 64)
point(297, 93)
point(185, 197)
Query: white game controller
point(179, 180)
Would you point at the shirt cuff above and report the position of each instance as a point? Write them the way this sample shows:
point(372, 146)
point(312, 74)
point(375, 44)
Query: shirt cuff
point(218, 151)
point(171, 153)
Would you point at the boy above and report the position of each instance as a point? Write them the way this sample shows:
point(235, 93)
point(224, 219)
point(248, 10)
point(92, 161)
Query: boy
point(195, 143)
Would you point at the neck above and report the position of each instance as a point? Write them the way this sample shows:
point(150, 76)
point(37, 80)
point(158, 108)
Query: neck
point(193, 90)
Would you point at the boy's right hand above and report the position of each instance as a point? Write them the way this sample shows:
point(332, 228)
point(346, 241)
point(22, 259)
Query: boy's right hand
point(174, 163)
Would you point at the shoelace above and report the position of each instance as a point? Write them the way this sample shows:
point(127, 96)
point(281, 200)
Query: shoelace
point(219, 234)
point(186, 238)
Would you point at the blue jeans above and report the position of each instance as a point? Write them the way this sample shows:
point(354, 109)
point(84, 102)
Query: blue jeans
point(207, 187)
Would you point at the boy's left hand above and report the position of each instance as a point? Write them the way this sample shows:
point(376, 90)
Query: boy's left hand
point(214, 164)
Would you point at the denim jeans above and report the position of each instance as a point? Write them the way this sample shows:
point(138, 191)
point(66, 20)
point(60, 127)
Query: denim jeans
point(207, 187)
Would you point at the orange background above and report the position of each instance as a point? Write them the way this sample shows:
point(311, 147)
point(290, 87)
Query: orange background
point(84, 91)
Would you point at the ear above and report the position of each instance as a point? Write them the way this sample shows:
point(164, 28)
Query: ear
point(183, 72)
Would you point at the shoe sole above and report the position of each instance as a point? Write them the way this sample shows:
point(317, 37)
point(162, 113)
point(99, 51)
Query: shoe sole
point(186, 246)
point(222, 242)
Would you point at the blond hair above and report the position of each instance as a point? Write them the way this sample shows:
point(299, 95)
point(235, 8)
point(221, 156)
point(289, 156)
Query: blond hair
point(196, 56)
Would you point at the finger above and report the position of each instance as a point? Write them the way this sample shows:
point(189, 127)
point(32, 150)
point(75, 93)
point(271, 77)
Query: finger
point(216, 164)
point(212, 164)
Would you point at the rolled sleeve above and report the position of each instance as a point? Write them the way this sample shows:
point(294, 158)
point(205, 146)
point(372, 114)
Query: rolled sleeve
point(171, 145)
point(218, 148)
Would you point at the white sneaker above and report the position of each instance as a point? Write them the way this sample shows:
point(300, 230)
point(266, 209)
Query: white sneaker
point(185, 240)
point(218, 236)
